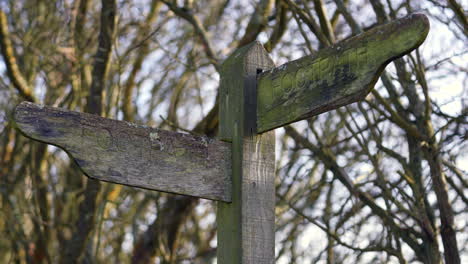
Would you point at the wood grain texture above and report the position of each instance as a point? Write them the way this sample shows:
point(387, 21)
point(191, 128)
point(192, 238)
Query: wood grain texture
point(335, 76)
point(126, 153)
point(246, 227)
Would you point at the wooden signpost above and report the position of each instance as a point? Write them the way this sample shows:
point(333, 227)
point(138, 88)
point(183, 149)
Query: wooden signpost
point(238, 169)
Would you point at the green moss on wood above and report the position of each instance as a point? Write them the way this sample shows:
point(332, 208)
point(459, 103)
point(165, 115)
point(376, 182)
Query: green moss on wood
point(335, 76)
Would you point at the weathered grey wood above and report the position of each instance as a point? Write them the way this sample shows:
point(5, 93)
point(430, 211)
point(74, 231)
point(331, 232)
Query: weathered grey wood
point(126, 153)
point(246, 227)
point(335, 76)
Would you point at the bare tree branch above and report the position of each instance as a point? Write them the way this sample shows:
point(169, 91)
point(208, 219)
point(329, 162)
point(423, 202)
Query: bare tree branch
point(14, 73)
point(87, 208)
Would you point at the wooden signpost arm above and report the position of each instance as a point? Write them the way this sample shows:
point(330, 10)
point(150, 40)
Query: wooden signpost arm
point(246, 227)
point(334, 76)
point(126, 153)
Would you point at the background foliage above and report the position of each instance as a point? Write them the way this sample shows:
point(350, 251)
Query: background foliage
point(381, 181)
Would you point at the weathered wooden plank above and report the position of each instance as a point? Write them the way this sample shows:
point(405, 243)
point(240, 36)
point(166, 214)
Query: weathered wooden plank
point(126, 153)
point(246, 227)
point(335, 76)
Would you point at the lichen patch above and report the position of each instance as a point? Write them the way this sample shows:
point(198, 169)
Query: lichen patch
point(154, 136)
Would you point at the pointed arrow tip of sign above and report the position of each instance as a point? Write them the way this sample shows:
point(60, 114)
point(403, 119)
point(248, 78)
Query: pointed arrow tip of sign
point(422, 21)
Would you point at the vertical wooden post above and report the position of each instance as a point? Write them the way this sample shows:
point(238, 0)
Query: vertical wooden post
point(246, 226)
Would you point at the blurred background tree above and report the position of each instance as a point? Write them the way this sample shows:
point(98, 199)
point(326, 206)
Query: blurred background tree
point(381, 181)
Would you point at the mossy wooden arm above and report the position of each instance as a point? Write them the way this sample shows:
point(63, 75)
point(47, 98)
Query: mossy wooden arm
point(126, 153)
point(335, 76)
